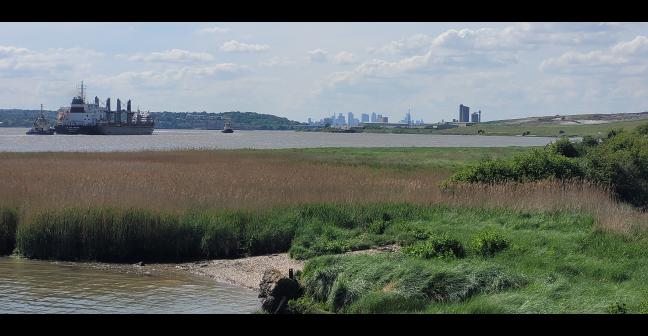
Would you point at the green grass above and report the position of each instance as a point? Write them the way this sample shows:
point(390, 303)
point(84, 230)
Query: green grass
point(118, 235)
point(553, 263)
point(402, 158)
point(508, 261)
point(8, 223)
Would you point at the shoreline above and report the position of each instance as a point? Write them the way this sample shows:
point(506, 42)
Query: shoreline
point(243, 272)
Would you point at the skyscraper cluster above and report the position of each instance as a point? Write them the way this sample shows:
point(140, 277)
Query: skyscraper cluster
point(465, 115)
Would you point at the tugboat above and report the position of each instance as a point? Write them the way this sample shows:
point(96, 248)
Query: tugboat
point(88, 118)
point(228, 128)
point(41, 125)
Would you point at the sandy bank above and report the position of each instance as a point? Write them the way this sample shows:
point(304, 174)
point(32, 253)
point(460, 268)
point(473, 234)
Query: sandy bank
point(246, 272)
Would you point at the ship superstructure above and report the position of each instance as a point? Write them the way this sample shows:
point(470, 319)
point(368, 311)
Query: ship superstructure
point(83, 118)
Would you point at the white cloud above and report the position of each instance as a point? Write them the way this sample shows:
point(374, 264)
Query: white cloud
point(213, 30)
point(10, 51)
point(56, 61)
point(152, 78)
point(518, 36)
point(236, 46)
point(624, 58)
point(173, 55)
point(415, 43)
point(277, 61)
point(344, 57)
point(318, 55)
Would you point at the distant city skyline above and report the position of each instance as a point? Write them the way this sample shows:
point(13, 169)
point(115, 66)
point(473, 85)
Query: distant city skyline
point(312, 70)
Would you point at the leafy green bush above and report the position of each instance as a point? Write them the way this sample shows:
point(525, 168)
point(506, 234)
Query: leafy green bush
point(565, 147)
point(590, 141)
point(537, 164)
point(617, 308)
point(437, 247)
point(620, 161)
point(488, 243)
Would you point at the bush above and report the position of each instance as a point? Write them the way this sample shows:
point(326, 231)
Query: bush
point(620, 162)
point(438, 247)
point(8, 224)
point(590, 141)
point(487, 244)
point(617, 308)
point(537, 164)
point(564, 147)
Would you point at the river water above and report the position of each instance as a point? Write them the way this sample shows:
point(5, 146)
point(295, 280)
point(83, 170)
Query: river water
point(15, 140)
point(31, 286)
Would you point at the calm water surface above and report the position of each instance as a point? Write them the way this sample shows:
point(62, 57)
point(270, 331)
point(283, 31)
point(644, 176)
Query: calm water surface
point(15, 140)
point(31, 286)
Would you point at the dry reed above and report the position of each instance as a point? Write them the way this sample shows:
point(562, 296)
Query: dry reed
point(176, 181)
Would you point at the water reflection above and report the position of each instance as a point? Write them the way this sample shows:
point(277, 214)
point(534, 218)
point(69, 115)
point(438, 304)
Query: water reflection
point(30, 286)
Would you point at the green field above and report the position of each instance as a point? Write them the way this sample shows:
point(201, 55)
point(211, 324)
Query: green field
point(405, 158)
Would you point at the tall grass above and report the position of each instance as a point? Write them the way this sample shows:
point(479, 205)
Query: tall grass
point(8, 224)
point(199, 181)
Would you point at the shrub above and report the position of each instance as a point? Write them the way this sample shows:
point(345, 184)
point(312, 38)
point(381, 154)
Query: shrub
point(487, 244)
point(525, 133)
point(537, 164)
point(642, 129)
point(564, 147)
point(590, 141)
point(438, 247)
point(617, 308)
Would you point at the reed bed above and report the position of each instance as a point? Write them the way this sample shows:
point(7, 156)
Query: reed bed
point(174, 182)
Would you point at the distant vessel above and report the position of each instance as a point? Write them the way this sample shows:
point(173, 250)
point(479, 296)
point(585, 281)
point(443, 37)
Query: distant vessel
point(41, 125)
point(82, 118)
point(228, 128)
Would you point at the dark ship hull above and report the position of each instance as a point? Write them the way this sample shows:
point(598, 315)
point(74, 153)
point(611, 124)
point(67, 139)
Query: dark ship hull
point(105, 129)
point(40, 132)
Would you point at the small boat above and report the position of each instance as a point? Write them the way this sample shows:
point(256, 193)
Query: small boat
point(41, 126)
point(227, 128)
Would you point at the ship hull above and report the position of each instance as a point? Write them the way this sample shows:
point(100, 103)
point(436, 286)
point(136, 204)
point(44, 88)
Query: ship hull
point(105, 130)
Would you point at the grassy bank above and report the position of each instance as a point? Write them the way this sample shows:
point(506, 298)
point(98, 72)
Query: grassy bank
point(551, 263)
point(545, 130)
point(406, 159)
point(516, 129)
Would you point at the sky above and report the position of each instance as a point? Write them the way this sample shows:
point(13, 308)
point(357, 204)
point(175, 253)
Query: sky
point(301, 70)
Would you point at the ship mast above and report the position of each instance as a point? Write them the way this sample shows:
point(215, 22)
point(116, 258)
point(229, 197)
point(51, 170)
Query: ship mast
point(82, 93)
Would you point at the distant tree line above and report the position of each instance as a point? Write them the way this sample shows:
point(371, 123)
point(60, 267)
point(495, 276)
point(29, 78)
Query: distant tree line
point(179, 120)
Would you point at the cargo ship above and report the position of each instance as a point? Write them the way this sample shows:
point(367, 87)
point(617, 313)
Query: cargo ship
point(93, 119)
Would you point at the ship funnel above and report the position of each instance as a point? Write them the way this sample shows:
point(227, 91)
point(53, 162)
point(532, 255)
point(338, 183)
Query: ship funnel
point(108, 104)
point(128, 106)
point(96, 100)
point(118, 105)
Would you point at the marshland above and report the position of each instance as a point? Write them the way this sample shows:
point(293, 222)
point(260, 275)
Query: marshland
point(551, 229)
